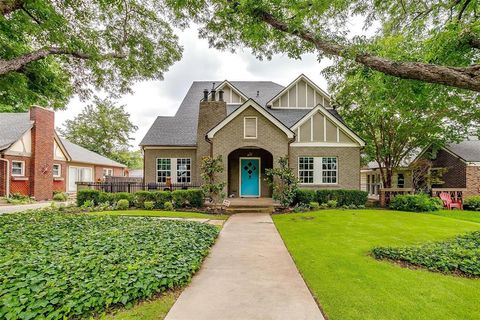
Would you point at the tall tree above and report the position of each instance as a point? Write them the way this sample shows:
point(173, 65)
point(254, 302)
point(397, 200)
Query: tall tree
point(103, 128)
point(398, 117)
point(50, 50)
point(443, 36)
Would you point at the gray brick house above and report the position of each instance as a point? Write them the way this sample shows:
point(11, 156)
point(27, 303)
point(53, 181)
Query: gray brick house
point(251, 124)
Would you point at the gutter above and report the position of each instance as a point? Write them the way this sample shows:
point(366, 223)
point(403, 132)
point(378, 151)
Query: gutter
point(7, 184)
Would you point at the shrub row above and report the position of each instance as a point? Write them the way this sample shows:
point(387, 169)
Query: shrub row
point(179, 198)
point(343, 197)
point(457, 255)
point(415, 203)
point(472, 203)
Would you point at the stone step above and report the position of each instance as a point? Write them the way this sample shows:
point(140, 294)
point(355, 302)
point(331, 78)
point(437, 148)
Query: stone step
point(249, 209)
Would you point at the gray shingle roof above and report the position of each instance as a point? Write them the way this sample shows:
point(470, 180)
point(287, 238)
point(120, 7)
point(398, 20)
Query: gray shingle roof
point(80, 154)
point(468, 150)
point(12, 127)
point(181, 129)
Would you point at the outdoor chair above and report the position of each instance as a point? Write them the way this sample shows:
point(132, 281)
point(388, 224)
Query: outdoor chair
point(449, 203)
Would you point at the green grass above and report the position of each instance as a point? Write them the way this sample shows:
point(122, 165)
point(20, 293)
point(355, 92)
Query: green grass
point(473, 216)
point(331, 249)
point(154, 309)
point(169, 214)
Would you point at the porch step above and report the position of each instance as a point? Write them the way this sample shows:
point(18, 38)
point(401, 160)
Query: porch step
point(249, 209)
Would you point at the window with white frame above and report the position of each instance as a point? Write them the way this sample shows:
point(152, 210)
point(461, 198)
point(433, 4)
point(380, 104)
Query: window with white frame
point(57, 170)
point(183, 170)
point(305, 169)
point(318, 170)
point(107, 172)
point(164, 169)
point(18, 168)
point(250, 127)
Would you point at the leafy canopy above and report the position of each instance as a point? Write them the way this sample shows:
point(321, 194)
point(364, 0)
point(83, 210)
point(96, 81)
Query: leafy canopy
point(103, 128)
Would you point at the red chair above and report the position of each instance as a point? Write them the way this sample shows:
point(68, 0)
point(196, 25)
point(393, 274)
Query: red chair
point(449, 203)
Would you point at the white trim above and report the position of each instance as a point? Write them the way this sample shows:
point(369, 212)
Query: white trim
point(311, 128)
point(473, 163)
point(171, 171)
point(23, 168)
point(240, 177)
point(306, 94)
point(176, 170)
point(299, 138)
point(232, 87)
point(296, 95)
point(288, 101)
point(338, 134)
point(318, 172)
point(59, 170)
point(335, 121)
point(294, 82)
point(245, 127)
point(257, 107)
point(323, 144)
point(107, 170)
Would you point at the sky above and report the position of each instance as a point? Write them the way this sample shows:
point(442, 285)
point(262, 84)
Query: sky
point(199, 62)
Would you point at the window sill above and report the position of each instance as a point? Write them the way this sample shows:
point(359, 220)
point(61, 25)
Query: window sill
point(318, 184)
point(19, 178)
point(58, 179)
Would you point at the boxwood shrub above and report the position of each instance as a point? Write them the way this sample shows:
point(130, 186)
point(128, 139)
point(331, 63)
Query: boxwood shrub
point(343, 197)
point(55, 265)
point(415, 203)
point(191, 197)
point(87, 194)
point(458, 255)
point(472, 203)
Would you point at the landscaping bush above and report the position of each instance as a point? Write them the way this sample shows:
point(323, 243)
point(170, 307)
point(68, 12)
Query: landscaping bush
point(314, 205)
point(122, 204)
point(18, 198)
point(60, 196)
point(472, 203)
point(123, 196)
point(157, 197)
point(458, 255)
point(415, 203)
point(190, 197)
point(168, 206)
point(104, 197)
point(342, 196)
point(87, 194)
point(57, 265)
point(149, 205)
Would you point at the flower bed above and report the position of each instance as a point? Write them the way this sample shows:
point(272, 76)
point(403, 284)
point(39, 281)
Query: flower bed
point(460, 255)
point(72, 265)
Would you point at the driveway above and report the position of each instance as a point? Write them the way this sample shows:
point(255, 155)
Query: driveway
point(249, 274)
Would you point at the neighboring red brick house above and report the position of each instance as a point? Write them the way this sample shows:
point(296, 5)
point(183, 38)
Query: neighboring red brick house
point(35, 161)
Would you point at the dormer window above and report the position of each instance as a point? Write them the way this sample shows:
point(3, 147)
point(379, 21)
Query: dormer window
point(250, 127)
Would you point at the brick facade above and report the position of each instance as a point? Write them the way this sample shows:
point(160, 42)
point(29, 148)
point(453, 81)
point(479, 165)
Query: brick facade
point(472, 180)
point(455, 177)
point(151, 156)
point(59, 183)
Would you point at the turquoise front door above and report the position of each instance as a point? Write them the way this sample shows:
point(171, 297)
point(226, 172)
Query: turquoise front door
point(250, 177)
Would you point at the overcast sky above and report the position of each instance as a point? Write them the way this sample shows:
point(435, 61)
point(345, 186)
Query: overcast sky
point(199, 62)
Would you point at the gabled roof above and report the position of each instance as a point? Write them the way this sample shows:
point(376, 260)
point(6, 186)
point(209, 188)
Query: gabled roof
point(181, 129)
point(299, 78)
point(229, 84)
point(251, 103)
point(468, 150)
point(80, 154)
point(12, 128)
point(331, 117)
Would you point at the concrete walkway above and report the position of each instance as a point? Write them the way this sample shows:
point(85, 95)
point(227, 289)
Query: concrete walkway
point(249, 274)
point(23, 207)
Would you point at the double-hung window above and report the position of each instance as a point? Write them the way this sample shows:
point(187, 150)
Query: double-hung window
point(164, 169)
point(107, 172)
point(318, 170)
point(18, 168)
point(57, 170)
point(184, 170)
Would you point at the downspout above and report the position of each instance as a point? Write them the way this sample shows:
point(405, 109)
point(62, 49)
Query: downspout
point(7, 174)
point(211, 145)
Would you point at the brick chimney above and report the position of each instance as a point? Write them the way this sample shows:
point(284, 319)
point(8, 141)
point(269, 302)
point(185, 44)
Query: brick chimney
point(43, 131)
point(211, 112)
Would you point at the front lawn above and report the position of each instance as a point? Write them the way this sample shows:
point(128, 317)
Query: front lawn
point(168, 214)
point(332, 249)
point(459, 214)
point(72, 265)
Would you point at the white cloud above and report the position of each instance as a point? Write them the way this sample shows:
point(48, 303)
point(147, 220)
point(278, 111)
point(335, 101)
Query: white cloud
point(199, 62)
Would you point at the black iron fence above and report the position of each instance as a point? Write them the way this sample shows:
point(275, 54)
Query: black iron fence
point(134, 186)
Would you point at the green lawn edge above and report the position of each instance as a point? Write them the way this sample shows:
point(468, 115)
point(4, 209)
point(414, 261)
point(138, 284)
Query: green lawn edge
point(166, 214)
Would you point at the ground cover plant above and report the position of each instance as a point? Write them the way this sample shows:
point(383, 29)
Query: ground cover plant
point(331, 249)
point(459, 255)
point(59, 265)
point(157, 213)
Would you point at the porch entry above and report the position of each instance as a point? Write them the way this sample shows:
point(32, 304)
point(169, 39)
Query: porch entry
point(249, 177)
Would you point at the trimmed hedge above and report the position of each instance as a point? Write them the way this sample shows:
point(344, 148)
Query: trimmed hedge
point(415, 203)
point(472, 203)
point(343, 197)
point(180, 198)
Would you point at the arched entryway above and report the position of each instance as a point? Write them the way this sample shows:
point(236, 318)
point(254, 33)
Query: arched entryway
point(246, 172)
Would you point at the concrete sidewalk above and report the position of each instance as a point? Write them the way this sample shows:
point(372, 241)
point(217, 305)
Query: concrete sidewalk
point(23, 207)
point(249, 274)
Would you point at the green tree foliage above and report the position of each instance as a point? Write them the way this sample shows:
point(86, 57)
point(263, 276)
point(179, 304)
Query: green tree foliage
point(210, 169)
point(103, 128)
point(283, 182)
point(50, 50)
point(440, 40)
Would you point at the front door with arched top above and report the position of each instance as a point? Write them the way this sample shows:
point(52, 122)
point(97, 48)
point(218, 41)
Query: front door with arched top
point(249, 177)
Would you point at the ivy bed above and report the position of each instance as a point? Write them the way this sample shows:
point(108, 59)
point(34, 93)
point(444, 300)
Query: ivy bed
point(57, 265)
